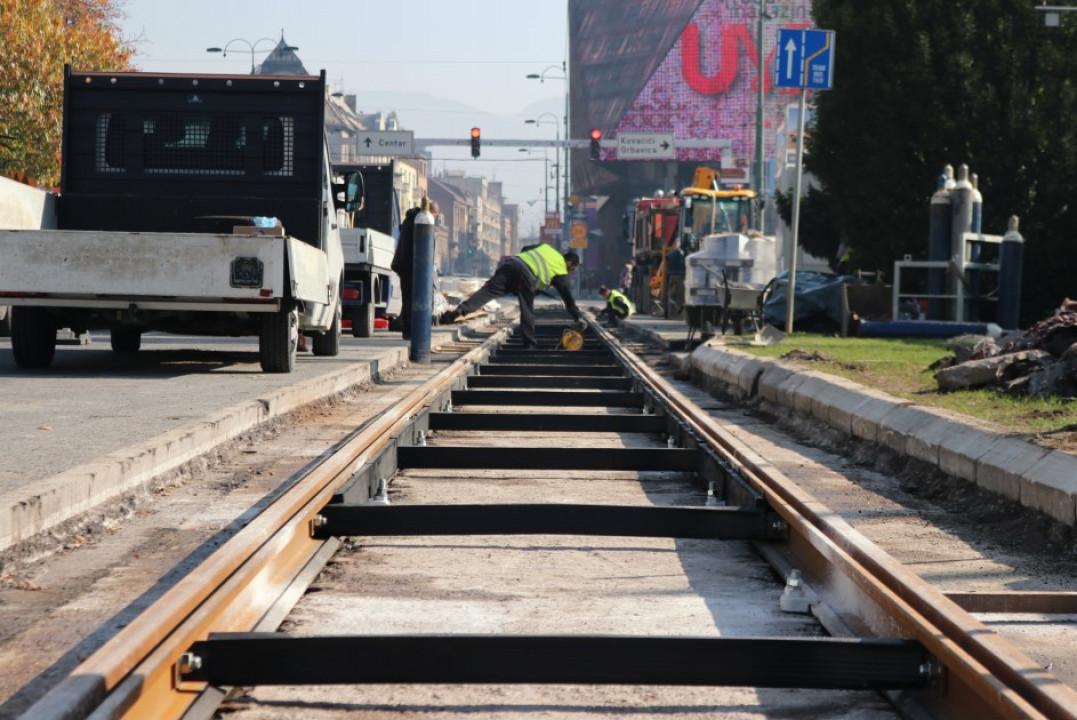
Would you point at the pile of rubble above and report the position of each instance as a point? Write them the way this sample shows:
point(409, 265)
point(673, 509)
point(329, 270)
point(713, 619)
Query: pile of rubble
point(1040, 361)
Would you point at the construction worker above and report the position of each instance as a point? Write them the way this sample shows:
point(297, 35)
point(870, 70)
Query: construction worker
point(618, 306)
point(535, 269)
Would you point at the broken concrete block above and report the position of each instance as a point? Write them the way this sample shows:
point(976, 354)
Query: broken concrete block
point(977, 373)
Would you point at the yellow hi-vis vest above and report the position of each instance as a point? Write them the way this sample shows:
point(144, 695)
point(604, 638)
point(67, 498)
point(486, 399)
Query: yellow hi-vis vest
point(618, 295)
point(545, 264)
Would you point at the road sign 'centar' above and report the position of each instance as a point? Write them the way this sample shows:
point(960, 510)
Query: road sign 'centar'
point(805, 59)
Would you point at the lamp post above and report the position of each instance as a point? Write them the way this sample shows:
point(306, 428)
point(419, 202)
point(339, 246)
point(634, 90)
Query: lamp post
point(541, 77)
point(545, 174)
point(557, 152)
point(252, 46)
point(759, 114)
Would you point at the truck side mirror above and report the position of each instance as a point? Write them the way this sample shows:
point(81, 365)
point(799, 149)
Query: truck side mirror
point(354, 192)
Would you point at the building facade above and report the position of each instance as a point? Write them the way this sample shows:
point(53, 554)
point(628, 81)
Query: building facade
point(454, 209)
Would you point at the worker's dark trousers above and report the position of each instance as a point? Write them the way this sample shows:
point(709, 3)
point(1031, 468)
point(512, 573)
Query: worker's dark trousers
point(510, 278)
point(614, 316)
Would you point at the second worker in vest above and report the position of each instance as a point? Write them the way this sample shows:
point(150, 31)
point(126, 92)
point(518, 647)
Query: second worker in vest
point(618, 306)
point(536, 268)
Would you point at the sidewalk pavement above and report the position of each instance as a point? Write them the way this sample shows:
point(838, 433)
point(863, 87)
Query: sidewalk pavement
point(97, 425)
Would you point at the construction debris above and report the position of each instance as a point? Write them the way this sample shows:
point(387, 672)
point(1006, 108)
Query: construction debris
point(1040, 361)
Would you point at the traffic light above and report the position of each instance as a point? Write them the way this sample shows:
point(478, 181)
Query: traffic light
point(596, 144)
point(476, 141)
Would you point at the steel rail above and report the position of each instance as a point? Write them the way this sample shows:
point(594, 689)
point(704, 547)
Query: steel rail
point(134, 673)
point(1007, 681)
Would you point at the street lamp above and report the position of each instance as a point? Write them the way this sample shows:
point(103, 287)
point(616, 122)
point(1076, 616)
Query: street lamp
point(537, 122)
point(252, 46)
point(541, 77)
point(759, 115)
point(545, 173)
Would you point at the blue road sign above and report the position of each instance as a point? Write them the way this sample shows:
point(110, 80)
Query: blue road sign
point(805, 59)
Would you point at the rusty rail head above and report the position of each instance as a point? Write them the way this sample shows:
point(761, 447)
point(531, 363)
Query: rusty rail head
point(1007, 680)
point(233, 587)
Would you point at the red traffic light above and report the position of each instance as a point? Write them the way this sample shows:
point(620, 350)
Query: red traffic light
point(596, 134)
point(476, 133)
point(596, 144)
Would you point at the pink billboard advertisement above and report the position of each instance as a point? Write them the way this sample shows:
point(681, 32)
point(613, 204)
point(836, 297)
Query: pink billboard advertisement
point(707, 85)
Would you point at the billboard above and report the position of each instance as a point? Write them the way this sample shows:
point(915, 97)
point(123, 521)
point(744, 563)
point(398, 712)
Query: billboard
point(706, 86)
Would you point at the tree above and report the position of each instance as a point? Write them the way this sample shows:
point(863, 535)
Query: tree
point(37, 37)
point(922, 83)
point(818, 235)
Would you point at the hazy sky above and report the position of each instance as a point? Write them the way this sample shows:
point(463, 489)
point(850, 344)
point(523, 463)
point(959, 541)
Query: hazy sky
point(443, 65)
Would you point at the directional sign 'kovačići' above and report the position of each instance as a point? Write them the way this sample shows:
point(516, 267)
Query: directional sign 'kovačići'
point(805, 59)
point(646, 146)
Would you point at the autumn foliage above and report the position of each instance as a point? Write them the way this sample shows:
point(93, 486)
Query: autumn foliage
point(37, 37)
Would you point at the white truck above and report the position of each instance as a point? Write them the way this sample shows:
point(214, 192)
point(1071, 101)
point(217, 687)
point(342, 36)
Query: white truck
point(189, 204)
point(370, 287)
point(23, 207)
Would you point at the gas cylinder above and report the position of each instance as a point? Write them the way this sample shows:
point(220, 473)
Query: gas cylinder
point(938, 241)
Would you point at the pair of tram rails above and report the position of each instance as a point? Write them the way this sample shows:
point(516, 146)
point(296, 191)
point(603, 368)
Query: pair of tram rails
point(941, 661)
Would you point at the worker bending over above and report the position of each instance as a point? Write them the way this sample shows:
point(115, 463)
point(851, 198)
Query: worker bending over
point(535, 269)
point(618, 306)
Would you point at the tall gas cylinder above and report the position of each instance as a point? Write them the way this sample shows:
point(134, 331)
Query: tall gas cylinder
point(938, 240)
point(1011, 266)
point(977, 205)
point(961, 222)
point(973, 308)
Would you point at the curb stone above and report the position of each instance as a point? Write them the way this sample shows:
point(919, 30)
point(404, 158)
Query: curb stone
point(1038, 478)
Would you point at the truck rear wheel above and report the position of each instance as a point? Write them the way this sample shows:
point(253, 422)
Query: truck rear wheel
point(125, 340)
point(33, 337)
point(278, 341)
point(363, 320)
point(328, 344)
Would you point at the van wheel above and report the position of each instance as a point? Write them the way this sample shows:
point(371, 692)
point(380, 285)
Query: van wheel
point(33, 337)
point(278, 341)
point(125, 340)
point(363, 320)
point(328, 344)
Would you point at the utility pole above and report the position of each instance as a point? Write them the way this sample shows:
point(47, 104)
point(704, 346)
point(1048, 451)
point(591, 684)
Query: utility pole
point(759, 116)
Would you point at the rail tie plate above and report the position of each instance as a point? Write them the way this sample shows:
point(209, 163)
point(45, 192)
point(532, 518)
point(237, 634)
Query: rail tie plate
point(555, 398)
point(245, 659)
point(543, 458)
point(548, 422)
point(708, 523)
point(501, 382)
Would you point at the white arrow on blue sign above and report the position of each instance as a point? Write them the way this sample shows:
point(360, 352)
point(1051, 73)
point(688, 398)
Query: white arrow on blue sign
point(805, 59)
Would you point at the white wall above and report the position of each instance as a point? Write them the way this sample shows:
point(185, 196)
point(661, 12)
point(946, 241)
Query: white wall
point(25, 208)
